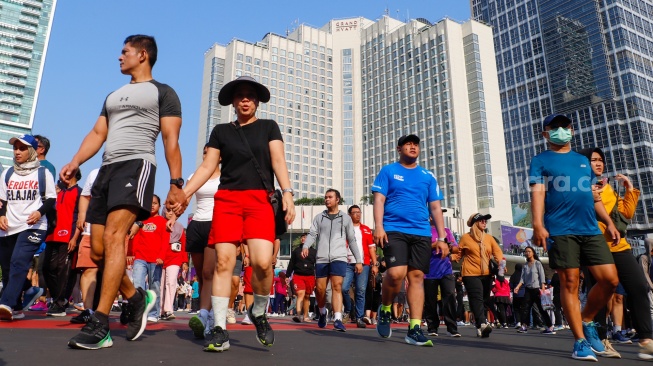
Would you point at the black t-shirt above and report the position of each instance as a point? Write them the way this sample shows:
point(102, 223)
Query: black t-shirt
point(238, 171)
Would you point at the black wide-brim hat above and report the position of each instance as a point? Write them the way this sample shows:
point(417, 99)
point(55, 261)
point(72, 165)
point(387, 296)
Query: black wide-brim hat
point(226, 95)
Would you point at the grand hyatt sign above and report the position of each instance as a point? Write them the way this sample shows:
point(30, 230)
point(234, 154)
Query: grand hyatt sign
point(346, 25)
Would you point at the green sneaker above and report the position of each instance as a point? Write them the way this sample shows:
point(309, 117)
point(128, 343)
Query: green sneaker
point(139, 312)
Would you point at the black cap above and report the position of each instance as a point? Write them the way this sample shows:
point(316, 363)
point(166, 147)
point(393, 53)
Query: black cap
point(407, 138)
point(561, 118)
point(477, 217)
point(226, 95)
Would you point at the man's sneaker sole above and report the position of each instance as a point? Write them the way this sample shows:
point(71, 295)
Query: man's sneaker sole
point(106, 342)
point(415, 343)
point(195, 324)
point(215, 348)
point(150, 299)
point(62, 314)
point(584, 358)
point(6, 314)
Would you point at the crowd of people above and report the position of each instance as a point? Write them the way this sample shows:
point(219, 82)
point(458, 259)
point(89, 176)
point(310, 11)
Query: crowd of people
point(120, 245)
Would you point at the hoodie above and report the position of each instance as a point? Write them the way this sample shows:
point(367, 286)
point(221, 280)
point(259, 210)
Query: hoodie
point(330, 237)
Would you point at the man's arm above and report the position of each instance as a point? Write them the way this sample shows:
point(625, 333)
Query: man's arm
point(540, 234)
point(436, 213)
point(351, 239)
point(378, 209)
point(170, 127)
point(91, 144)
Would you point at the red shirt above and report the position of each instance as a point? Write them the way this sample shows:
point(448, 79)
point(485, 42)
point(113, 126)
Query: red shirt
point(66, 215)
point(176, 258)
point(152, 241)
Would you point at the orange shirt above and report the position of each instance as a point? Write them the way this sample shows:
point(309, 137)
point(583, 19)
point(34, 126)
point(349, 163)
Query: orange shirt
point(626, 206)
point(471, 254)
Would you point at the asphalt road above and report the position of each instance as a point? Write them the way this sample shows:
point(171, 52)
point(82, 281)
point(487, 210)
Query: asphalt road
point(38, 340)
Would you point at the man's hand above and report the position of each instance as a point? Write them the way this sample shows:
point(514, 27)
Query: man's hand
point(130, 260)
point(68, 171)
point(380, 237)
point(81, 221)
point(616, 237)
point(359, 268)
point(159, 262)
point(375, 270)
point(133, 231)
point(540, 234)
point(442, 248)
point(4, 223)
point(176, 200)
point(33, 218)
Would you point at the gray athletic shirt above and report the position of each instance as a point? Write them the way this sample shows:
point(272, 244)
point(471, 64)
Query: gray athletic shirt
point(133, 113)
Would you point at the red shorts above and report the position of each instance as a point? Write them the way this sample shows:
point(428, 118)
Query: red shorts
point(84, 253)
point(303, 283)
point(247, 280)
point(241, 215)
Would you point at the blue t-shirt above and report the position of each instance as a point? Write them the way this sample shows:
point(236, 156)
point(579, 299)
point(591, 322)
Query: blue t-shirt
point(408, 193)
point(569, 203)
point(48, 165)
point(196, 290)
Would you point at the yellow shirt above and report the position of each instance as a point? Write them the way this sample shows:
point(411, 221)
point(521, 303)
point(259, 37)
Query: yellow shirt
point(626, 206)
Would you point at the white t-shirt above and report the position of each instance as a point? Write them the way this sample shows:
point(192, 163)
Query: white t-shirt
point(86, 191)
point(205, 199)
point(23, 197)
point(359, 243)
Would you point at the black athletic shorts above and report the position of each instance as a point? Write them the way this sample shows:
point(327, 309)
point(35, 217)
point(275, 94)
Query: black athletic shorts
point(197, 236)
point(125, 183)
point(407, 249)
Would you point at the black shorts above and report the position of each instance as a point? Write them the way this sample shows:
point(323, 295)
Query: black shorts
point(125, 183)
point(574, 251)
point(408, 250)
point(197, 236)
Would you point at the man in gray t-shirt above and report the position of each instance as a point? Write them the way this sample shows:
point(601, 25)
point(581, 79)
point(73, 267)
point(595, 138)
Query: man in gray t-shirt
point(129, 123)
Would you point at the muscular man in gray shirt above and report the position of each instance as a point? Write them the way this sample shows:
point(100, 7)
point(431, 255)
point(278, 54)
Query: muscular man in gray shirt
point(129, 123)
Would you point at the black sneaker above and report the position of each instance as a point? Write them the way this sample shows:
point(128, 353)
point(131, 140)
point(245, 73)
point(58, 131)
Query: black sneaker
point(56, 310)
point(360, 323)
point(83, 318)
point(264, 333)
point(138, 314)
point(125, 313)
point(219, 340)
point(94, 335)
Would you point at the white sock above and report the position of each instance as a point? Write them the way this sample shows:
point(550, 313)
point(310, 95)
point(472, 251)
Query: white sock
point(616, 328)
point(220, 305)
point(260, 305)
point(337, 316)
point(323, 310)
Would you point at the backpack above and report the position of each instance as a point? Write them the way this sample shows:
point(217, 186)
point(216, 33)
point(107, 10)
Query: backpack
point(51, 217)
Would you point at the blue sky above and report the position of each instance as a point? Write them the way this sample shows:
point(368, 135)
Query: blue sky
point(82, 61)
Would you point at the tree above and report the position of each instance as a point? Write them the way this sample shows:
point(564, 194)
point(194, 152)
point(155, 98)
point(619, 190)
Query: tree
point(368, 199)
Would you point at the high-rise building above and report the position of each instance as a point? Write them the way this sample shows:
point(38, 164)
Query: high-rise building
point(24, 34)
point(591, 60)
point(343, 95)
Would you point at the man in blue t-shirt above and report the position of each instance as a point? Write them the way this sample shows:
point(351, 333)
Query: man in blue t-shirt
point(565, 205)
point(405, 194)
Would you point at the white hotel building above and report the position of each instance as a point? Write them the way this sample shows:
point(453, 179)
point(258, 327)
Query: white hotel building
point(343, 95)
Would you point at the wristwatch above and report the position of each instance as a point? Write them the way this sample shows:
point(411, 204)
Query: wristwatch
point(292, 192)
point(139, 224)
point(377, 264)
point(179, 182)
point(444, 240)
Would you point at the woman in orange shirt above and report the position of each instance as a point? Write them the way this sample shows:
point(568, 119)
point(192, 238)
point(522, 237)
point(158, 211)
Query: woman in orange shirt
point(475, 249)
point(630, 274)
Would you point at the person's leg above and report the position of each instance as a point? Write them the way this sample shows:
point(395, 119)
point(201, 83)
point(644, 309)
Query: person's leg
point(50, 267)
point(633, 280)
point(346, 285)
point(139, 273)
point(226, 260)
point(569, 298)
point(447, 293)
point(19, 264)
point(336, 295)
point(170, 288)
point(545, 314)
point(87, 284)
point(7, 245)
point(260, 256)
point(415, 293)
point(430, 305)
point(474, 288)
point(320, 291)
point(606, 282)
point(302, 311)
point(527, 305)
point(235, 283)
point(108, 245)
point(392, 284)
point(361, 288)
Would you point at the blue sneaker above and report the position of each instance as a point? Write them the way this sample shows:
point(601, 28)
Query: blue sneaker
point(31, 295)
point(322, 320)
point(416, 337)
point(337, 325)
point(617, 337)
point(548, 331)
point(592, 337)
point(583, 351)
point(383, 319)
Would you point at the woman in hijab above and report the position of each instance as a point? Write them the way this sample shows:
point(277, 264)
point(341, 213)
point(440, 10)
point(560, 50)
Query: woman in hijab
point(175, 256)
point(23, 221)
point(476, 248)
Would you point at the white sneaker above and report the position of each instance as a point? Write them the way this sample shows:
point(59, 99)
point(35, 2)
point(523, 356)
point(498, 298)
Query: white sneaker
point(460, 323)
point(246, 320)
point(18, 314)
point(6, 313)
point(231, 316)
point(152, 319)
point(274, 315)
